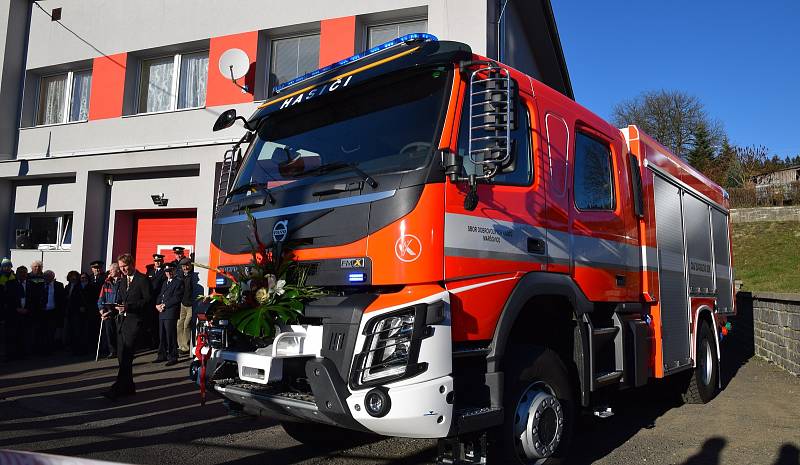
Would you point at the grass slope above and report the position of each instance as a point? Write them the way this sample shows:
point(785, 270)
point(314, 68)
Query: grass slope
point(766, 256)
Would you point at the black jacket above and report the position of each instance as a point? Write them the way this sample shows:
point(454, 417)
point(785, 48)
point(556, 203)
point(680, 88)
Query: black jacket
point(171, 295)
point(157, 279)
point(136, 294)
point(60, 297)
point(78, 300)
point(34, 293)
point(188, 290)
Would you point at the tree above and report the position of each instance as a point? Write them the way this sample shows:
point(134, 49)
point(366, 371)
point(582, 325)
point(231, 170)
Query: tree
point(746, 164)
point(701, 155)
point(671, 117)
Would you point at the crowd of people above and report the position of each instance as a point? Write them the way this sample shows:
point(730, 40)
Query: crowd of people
point(86, 314)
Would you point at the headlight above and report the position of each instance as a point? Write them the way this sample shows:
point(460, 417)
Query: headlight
point(392, 345)
point(388, 347)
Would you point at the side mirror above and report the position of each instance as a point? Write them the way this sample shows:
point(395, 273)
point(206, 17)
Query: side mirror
point(225, 120)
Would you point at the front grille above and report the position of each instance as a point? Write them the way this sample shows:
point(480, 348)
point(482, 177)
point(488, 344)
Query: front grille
point(336, 341)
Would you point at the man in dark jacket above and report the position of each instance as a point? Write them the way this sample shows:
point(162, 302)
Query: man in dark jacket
point(155, 273)
point(185, 318)
point(168, 305)
point(8, 302)
point(133, 298)
point(180, 254)
point(27, 308)
point(54, 308)
point(97, 277)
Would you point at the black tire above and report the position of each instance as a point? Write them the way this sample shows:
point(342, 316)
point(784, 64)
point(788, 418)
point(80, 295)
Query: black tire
point(533, 377)
point(323, 436)
point(703, 382)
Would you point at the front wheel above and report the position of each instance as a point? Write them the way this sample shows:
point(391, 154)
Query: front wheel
point(539, 402)
point(703, 382)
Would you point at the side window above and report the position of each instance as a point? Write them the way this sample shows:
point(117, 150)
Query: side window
point(522, 173)
point(594, 180)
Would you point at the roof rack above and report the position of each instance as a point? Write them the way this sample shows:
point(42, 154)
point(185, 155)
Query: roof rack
point(417, 36)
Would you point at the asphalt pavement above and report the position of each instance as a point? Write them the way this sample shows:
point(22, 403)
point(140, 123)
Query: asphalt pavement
point(54, 405)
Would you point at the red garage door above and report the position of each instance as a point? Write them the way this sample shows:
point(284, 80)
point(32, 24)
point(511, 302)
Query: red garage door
point(160, 233)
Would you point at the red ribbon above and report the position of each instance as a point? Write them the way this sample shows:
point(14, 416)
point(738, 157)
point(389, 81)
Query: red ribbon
point(202, 341)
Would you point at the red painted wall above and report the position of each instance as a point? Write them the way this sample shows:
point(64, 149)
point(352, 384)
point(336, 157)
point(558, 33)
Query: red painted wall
point(337, 39)
point(220, 90)
point(162, 229)
point(108, 86)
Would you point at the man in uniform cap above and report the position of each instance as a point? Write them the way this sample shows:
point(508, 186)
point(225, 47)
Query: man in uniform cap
point(180, 254)
point(155, 273)
point(98, 275)
point(168, 306)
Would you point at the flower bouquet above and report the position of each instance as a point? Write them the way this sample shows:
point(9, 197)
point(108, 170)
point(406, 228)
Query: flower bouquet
point(268, 292)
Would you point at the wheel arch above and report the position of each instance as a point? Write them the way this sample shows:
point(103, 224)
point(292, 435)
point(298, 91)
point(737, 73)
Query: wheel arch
point(704, 313)
point(563, 302)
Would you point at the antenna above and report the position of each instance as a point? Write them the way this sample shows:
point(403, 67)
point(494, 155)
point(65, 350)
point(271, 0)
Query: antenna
point(234, 63)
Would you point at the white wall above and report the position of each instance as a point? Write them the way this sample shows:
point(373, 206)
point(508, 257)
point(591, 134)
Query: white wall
point(109, 26)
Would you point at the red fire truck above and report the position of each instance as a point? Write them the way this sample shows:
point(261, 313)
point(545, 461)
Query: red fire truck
point(497, 257)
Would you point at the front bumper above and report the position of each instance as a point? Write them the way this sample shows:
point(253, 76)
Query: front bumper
point(421, 405)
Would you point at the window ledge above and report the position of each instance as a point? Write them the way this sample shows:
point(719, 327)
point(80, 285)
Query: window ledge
point(39, 250)
point(179, 110)
point(54, 124)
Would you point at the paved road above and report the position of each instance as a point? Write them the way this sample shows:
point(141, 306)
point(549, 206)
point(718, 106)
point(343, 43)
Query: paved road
point(54, 406)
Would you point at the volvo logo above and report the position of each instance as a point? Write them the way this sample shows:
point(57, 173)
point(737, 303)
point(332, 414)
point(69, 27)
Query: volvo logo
point(280, 230)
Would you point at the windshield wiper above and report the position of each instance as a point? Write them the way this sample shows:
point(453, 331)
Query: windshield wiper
point(335, 166)
point(252, 186)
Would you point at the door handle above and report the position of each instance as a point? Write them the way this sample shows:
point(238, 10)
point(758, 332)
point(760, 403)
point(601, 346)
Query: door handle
point(535, 246)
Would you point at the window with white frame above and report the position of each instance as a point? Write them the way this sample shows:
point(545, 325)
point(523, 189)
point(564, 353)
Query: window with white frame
point(292, 57)
point(64, 97)
point(48, 232)
point(382, 33)
point(173, 82)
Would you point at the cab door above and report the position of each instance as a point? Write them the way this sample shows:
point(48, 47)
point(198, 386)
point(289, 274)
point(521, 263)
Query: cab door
point(486, 247)
point(604, 247)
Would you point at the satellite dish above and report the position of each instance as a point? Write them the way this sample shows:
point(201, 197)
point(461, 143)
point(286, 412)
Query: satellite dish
point(234, 63)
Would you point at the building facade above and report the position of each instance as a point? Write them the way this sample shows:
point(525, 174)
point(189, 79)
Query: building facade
point(106, 108)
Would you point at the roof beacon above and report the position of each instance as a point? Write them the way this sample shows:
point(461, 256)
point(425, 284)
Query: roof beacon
point(417, 36)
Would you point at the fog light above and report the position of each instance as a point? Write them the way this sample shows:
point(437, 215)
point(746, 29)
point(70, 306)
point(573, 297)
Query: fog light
point(377, 402)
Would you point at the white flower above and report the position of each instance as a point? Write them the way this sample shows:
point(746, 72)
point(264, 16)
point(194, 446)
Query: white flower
point(279, 287)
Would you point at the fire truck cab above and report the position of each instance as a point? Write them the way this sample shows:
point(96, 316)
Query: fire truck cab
point(497, 257)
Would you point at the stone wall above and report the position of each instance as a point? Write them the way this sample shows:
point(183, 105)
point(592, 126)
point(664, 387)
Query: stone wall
point(773, 322)
point(752, 215)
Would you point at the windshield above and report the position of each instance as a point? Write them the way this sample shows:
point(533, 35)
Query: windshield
point(387, 125)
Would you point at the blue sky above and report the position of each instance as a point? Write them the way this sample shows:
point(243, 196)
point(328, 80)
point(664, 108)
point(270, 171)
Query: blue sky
point(742, 59)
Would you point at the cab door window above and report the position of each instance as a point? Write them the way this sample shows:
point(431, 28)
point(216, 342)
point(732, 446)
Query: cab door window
point(594, 176)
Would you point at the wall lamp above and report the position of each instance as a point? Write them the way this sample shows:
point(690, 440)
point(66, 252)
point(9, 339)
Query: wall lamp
point(159, 200)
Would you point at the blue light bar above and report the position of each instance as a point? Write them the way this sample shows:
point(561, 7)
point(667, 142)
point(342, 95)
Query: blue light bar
point(357, 277)
point(220, 280)
point(400, 40)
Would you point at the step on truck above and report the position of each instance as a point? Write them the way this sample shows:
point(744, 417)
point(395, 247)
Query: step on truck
point(496, 257)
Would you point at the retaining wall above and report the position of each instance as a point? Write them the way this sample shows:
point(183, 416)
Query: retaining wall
point(772, 320)
point(752, 215)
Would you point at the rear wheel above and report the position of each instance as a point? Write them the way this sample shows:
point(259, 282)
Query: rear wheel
point(703, 382)
point(539, 402)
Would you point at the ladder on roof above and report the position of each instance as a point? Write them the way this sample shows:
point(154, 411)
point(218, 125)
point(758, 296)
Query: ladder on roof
point(225, 176)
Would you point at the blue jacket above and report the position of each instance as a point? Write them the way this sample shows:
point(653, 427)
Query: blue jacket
point(171, 295)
